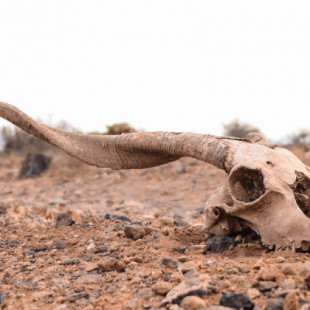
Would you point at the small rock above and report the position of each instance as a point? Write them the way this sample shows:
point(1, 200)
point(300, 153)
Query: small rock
point(70, 261)
point(90, 267)
point(179, 222)
point(166, 221)
point(236, 301)
point(41, 249)
point(111, 264)
point(288, 284)
point(291, 301)
point(109, 216)
point(266, 275)
point(169, 263)
point(101, 249)
point(305, 270)
point(253, 293)
point(288, 270)
point(74, 298)
point(144, 292)
point(64, 219)
point(162, 288)
point(178, 249)
point(219, 244)
point(89, 279)
point(134, 232)
point(34, 165)
point(191, 285)
point(192, 303)
point(232, 270)
point(265, 286)
point(29, 253)
point(59, 244)
point(275, 304)
point(185, 267)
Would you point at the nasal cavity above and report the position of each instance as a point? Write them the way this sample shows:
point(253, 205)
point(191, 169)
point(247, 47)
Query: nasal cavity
point(247, 184)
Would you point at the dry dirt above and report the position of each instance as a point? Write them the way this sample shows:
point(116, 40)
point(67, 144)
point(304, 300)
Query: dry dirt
point(92, 264)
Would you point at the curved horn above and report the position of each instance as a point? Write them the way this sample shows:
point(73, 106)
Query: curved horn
point(134, 150)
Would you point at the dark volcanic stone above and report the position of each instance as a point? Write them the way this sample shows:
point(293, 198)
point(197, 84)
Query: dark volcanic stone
point(236, 301)
point(102, 249)
point(34, 165)
point(110, 216)
point(169, 262)
point(64, 219)
point(41, 249)
point(76, 297)
point(134, 232)
point(218, 244)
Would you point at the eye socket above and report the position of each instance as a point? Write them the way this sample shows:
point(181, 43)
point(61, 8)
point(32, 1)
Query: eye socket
point(216, 212)
point(247, 184)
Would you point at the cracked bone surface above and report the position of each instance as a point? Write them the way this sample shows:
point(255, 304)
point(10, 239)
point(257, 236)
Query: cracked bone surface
point(267, 188)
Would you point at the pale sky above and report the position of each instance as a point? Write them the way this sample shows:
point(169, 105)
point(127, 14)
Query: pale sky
point(168, 65)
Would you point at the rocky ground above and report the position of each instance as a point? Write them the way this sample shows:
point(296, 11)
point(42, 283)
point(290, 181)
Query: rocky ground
point(79, 237)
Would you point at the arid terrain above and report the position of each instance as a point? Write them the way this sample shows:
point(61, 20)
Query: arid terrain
point(67, 241)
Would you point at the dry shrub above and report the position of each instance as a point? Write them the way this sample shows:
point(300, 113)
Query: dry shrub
point(238, 129)
point(119, 128)
point(300, 139)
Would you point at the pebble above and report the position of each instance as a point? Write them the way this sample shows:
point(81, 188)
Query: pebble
point(69, 261)
point(59, 244)
point(134, 232)
point(111, 264)
point(90, 267)
point(275, 304)
point(162, 288)
point(307, 282)
point(179, 222)
point(74, 298)
point(101, 249)
point(219, 244)
point(291, 301)
point(288, 284)
point(236, 301)
point(266, 275)
point(288, 270)
point(192, 303)
point(265, 286)
point(185, 267)
point(110, 216)
point(191, 285)
point(64, 219)
point(178, 249)
point(166, 221)
point(253, 293)
point(169, 263)
point(305, 269)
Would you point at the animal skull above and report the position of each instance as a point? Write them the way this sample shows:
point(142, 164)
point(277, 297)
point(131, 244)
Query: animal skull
point(268, 190)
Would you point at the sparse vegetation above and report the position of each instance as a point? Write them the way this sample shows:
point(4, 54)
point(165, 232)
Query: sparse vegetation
point(238, 129)
point(300, 139)
point(116, 129)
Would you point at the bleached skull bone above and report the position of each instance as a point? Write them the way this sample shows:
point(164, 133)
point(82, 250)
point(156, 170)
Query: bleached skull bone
point(268, 190)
